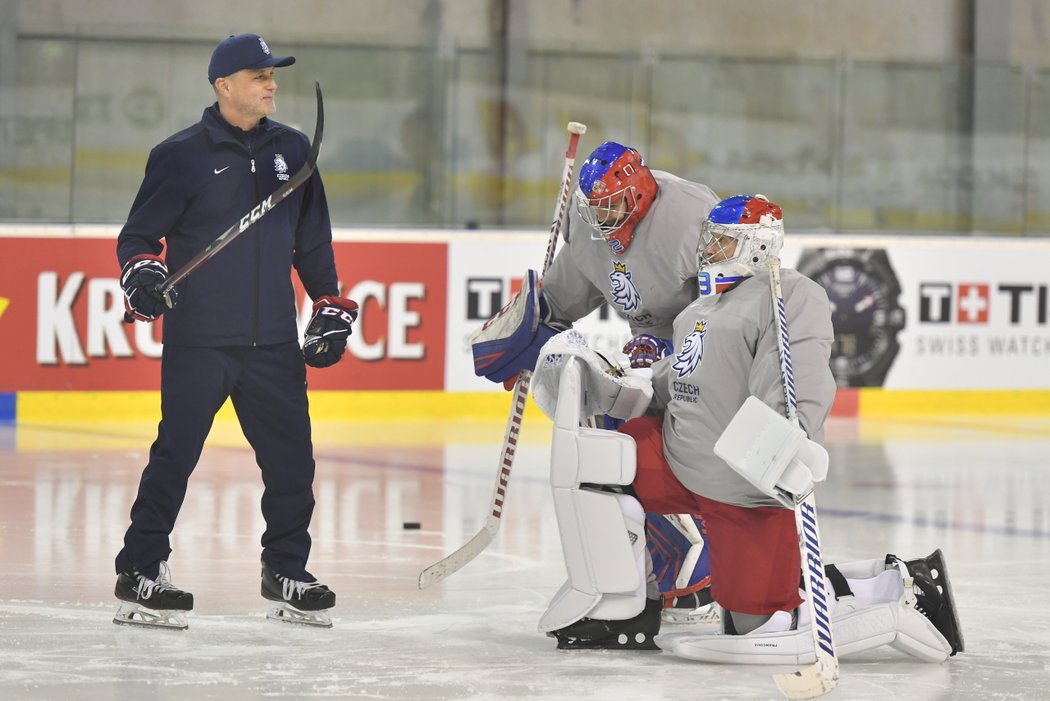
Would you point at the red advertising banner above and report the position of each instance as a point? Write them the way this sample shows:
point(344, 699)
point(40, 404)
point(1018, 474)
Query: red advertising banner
point(61, 312)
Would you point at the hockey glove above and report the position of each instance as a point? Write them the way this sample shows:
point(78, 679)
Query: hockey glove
point(327, 331)
point(139, 279)
point(643, 350)
point(510, 341)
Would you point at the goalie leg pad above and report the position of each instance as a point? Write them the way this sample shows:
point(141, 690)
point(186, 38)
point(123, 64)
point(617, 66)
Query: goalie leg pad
point(855, 631)
point(602, 533)
point(581, 455)
point(905, 623)
point(603, 542)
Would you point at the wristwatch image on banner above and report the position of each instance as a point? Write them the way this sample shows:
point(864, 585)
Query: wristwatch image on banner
point(865, 301)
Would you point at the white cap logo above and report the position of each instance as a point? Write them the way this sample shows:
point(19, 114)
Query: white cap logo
point(265, 48)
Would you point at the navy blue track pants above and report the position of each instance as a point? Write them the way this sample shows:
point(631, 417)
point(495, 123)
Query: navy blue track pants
point(267, 386)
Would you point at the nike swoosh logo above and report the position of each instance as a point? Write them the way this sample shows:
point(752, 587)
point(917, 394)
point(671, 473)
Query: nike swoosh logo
point(219, 170)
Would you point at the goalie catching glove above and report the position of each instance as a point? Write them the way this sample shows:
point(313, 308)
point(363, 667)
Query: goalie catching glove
point(606, 389)
point(327, 331)
point(139, 278)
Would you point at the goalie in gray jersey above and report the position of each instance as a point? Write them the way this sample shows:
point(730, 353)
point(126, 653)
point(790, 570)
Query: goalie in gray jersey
point(719, 402)
point(632, 243)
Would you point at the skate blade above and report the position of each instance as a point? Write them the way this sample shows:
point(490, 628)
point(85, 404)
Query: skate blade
point(286, 613)
point(704, 615)
point(129, 614)
point(936, 561)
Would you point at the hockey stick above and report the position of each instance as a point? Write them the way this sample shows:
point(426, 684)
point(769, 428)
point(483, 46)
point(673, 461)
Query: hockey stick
point(823, 675)
point(256, 213)
point(454, 562)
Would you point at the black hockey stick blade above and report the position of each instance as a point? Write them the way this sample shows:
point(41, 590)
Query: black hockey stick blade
point(255, 214)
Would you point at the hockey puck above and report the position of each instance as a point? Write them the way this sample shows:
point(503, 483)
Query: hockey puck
point(411, 525)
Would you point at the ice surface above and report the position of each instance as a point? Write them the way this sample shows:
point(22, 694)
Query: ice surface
point(978, 488)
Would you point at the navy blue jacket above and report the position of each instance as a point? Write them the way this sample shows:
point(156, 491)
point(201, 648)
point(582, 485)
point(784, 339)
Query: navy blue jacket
point(199, 182)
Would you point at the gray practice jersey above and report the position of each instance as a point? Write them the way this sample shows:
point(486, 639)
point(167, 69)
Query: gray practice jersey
point(726, 349)
point(649, 283)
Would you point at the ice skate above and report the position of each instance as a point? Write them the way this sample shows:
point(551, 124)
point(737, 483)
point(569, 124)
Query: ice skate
point(307, 603)
point(696, 607)
point(153, 603)
point(932, 591)
point(632, 634)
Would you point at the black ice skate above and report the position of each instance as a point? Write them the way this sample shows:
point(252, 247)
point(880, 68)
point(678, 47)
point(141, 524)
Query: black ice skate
point(296, 602)
point(697, 607)
point(632, 634)
point(151, 602)
point(933, 595)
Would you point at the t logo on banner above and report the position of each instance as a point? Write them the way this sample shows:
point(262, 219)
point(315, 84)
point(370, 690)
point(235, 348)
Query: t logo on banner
point(973, 302)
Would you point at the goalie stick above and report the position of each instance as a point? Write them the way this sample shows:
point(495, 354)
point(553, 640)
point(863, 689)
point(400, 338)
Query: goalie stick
point(164, 287)
point(822, 676)
point(454, 562)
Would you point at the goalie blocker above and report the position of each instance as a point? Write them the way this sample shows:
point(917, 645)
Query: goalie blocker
point(510, 341)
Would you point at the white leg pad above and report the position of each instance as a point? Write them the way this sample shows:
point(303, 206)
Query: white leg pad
point(917, 636)
point(586, 455)
point(603, 541)
point(602, 533)
point(855, 629)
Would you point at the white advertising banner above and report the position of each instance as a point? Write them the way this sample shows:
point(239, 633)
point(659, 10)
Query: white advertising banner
point(933, 313)
point(909, 312)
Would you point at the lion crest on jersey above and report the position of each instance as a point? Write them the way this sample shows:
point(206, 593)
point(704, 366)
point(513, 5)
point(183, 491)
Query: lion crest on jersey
point(692, 354)
point(625, 294)
point(280, 167)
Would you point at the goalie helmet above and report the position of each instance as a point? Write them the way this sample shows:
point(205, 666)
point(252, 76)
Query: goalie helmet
point(616, 190)
point(736, 239)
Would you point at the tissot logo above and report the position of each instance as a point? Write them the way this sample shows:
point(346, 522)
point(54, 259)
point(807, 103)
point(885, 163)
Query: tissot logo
point(485, 296)
point(976, 302)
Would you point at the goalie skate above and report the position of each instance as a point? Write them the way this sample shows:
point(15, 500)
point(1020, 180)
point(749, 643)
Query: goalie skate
point(292, 601)
point(696, 608)
point(636, 633)
point(153, 603)
point(931, 594)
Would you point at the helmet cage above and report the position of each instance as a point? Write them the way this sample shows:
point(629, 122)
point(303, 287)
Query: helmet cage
point(608, 212)
point(718, 269)
point(615, 192)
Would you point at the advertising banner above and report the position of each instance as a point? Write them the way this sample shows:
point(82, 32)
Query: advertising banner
point(926, 313)
point(909, 313)
point(61, 318)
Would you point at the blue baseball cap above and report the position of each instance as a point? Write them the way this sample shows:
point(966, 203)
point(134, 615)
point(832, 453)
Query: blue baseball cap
point(240, 51)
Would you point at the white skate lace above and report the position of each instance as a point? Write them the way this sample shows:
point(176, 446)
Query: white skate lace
point(147, 586)
point(291, 587)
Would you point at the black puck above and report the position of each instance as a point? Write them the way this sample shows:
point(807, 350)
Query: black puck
point(411, 525)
